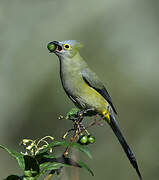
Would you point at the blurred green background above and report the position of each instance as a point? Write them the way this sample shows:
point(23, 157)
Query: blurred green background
point(121, 44)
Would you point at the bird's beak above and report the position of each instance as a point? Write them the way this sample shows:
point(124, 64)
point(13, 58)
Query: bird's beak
point(54, 47)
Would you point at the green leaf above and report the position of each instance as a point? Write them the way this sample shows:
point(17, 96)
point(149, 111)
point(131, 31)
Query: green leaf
point(40, 157)
point(56, 165)
point(82, 148)
point(29, 173)
point(66, 144)
point(29, 178)
point(72, 113)
point(54, 144)
point(83, 165)
point(16, 155)
point(62, 160)
point(50, 166)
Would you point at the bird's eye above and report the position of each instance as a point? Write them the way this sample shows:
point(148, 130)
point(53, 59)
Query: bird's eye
point(67, 46)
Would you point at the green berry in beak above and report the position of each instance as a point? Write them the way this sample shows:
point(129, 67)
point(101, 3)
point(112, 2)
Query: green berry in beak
point(51, 47)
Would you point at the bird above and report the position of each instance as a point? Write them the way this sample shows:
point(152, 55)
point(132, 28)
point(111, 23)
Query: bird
point(86, 90)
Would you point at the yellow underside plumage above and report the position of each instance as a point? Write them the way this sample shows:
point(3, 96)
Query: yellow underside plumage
point(96, 100)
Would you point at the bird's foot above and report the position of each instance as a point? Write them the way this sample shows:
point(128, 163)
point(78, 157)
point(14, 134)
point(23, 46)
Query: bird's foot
point(87, 112)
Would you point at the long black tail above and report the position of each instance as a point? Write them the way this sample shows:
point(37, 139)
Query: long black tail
point(113, 124)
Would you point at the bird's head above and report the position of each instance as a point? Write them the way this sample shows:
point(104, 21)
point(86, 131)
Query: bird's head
point(63, 49)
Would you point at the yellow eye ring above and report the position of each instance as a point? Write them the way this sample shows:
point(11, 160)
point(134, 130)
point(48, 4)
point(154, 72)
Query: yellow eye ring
point(67, 46)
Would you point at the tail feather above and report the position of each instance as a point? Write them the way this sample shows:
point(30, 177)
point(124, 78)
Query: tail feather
point(113, 124)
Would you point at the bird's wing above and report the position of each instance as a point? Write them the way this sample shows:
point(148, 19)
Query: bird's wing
point(93, 81)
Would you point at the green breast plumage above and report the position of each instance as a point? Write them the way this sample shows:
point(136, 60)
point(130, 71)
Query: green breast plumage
point(81, 93)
